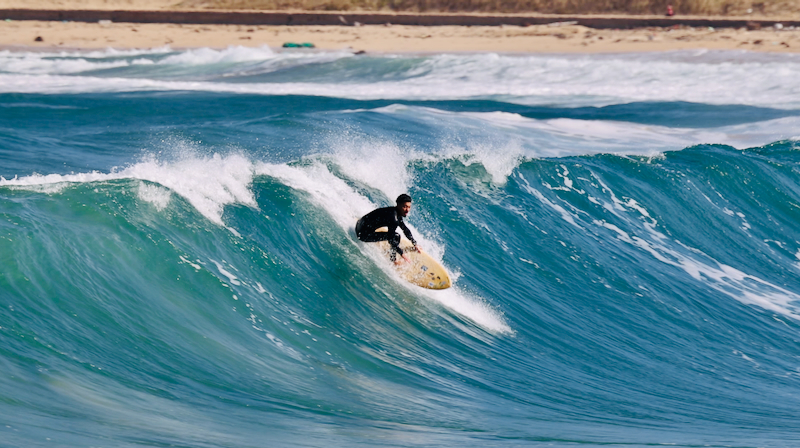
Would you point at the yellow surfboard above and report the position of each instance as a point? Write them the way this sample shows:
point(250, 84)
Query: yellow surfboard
point(423, 270)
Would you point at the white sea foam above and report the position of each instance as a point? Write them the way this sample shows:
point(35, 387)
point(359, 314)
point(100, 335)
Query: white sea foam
point(31, 64)
point(206, 56)
point(500, 138)
point(565, 215)
point(68, 62)
point(499, 159)
point(326, 190)
point(155, 195)
point(61, 63)
point(232, 278)
point(208, 183)
point(566, 80)
point(381, 165)
point(469, 305)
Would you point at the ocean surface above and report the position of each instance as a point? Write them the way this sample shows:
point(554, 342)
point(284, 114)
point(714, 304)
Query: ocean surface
point(178, 265)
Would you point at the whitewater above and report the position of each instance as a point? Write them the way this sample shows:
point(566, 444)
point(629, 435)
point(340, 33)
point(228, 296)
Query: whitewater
point(178, 265)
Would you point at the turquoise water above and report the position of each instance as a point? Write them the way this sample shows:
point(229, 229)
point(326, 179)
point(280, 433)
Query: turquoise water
point(178, 265)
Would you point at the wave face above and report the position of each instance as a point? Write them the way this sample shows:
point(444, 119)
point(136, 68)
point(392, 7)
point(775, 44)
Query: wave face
point(178, 265)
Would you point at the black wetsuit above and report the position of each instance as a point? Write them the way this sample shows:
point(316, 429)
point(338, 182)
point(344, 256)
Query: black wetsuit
point(383, 217)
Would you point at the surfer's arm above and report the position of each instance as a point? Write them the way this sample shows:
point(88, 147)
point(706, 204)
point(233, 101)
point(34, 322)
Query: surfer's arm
point(407, 232)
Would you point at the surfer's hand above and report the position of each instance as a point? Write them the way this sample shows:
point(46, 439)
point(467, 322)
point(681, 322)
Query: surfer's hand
point(417, 248)
point(400, 260)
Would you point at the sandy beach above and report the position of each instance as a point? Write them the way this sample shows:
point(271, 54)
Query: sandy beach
point(394, 38)
point(550, 38)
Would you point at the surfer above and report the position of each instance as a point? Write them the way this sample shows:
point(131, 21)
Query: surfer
point(392, 218)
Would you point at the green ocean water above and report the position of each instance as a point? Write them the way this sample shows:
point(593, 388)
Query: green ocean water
point(178, 265)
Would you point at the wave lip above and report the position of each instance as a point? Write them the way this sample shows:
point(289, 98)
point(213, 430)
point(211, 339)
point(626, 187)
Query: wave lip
point(208, 183)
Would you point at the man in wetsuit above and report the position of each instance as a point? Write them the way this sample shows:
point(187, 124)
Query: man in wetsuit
point(392, 218)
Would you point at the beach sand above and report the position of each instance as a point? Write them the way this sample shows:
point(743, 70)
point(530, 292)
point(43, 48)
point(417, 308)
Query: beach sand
point(373, 38)
point(394, 38)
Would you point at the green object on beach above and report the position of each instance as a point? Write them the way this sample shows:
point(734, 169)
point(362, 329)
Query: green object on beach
point(296, 45)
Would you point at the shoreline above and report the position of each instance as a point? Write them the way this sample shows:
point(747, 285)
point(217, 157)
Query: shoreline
point(563, 38)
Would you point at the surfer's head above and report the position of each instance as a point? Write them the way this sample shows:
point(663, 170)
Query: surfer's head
point(403, 204)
